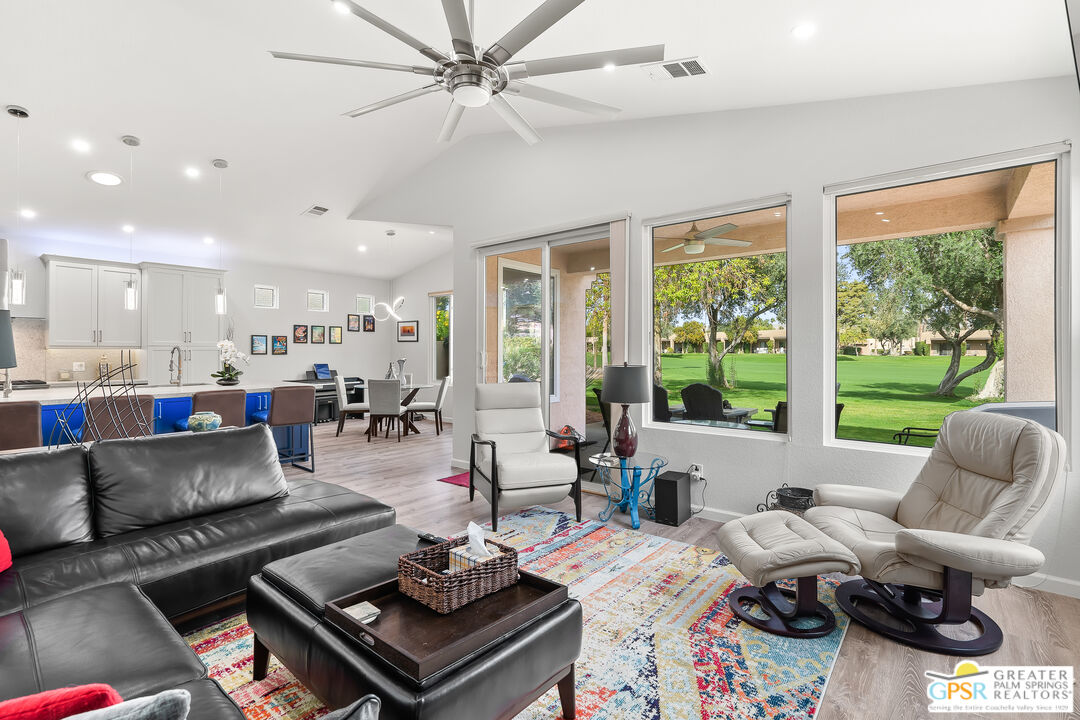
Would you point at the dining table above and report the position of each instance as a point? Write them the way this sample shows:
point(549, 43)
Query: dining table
point(408, 394)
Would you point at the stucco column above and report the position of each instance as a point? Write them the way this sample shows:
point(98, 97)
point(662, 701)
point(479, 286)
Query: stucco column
point(1029, 307)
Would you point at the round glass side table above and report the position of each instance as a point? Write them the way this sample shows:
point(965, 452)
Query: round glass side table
point(628, 483)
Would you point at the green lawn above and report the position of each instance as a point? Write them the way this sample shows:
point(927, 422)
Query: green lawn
point(881, 395)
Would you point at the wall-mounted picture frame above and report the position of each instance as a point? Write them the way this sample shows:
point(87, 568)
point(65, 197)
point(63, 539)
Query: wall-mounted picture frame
point(299, 334)
point(369, 323)
point(354, 323)
point(335, 334)
point(258, 344)
point(281, 345)
point(408, 331)
point(318, 334)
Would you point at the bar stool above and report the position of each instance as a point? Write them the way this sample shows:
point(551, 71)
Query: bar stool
point(229, 404)
point(109, 418)
point(291, 406)
point(20, 425)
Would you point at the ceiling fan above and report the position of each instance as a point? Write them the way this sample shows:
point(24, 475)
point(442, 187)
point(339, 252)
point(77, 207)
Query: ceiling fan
point(695, 240)
point(475, 76)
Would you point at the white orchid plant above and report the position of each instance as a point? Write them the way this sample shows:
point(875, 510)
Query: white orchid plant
point(230, 358)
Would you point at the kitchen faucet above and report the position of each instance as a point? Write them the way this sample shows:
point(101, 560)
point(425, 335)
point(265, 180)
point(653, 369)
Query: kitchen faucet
point(178, 366)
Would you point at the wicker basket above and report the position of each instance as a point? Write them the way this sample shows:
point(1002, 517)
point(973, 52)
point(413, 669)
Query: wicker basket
point(420, 576)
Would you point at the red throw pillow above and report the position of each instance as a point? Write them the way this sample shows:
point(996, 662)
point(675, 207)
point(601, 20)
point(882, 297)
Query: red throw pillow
point(5, 553)
point(61, 703)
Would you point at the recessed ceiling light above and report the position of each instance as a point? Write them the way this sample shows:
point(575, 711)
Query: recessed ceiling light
point(879, 212)
point(341, 7)
point(610, 67)
point(208, 240)
point(361, 248)
point(192, 172)
point(592, 268)
point(777, 214)
point(104, 178)
point(28, 213)
point(805, 30)
point(128, 228)
point(80, 146)
point(884, 219)
point(430, 232)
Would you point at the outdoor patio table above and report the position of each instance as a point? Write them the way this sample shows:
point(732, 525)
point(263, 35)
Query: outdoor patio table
point(631, 491)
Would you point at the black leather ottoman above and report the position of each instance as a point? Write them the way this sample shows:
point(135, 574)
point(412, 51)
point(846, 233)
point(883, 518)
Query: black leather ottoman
point(285, 610)
point(109, 634)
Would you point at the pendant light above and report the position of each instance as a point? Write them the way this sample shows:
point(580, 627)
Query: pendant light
point(391, 309)
point(16, 280)
point(220, 301)
point(131, 287)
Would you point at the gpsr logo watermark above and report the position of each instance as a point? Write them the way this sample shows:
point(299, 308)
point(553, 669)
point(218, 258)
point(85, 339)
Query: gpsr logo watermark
point(1002, 688)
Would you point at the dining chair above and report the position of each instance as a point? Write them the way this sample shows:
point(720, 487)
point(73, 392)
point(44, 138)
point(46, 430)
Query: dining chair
point(20, 425)
point(346, 408)
point(229, 404)
point(435, 408)
point(384, 403)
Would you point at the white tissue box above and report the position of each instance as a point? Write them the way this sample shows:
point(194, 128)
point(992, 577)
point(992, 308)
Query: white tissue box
point(461, 558)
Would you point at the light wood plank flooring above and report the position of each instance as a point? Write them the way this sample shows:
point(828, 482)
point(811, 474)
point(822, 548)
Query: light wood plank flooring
point(873, 677)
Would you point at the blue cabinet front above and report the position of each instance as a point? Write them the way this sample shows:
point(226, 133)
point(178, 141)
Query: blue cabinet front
point(167, 411)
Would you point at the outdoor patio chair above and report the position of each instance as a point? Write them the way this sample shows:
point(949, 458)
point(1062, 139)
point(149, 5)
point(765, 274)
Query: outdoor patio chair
point(779, 422)
point(904, 436)
point(704, 402)
point(662, 412)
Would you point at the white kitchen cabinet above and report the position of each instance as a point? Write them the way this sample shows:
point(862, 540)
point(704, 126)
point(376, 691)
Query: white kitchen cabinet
point(164, 301)
point(199, 363)
point(181, 312)
point(196, 365)
point(200, 308)
point(86, 304)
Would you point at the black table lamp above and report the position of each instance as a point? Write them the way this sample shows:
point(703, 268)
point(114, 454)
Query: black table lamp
point(625, 384)
point(7, 349)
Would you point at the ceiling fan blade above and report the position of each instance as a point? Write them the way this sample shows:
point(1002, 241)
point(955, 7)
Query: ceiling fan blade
point(586, 61)
point(457, 19)
point(394, 100)
point(354, 63)
point(674, 247)
point(716, 231)
point(728, 242)
point(453, 116)
point(425, 49)
point(529, 29)
point(562, 99)
point(519, 124)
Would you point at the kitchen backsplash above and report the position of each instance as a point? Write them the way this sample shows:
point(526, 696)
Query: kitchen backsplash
point(36, 362)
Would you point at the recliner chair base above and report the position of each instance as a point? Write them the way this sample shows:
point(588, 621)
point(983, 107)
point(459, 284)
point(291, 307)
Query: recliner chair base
point(922, 610)
point(781, 613)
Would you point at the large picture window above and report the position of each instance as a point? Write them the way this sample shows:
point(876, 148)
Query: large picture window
point(443, 324)
point(720, 321)
point(945, 301)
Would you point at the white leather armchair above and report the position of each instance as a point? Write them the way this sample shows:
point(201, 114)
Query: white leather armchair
point(964, 525)
point(510, 461)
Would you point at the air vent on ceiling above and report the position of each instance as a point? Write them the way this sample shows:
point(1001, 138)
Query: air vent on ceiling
point(315, 210)
point(674, 69)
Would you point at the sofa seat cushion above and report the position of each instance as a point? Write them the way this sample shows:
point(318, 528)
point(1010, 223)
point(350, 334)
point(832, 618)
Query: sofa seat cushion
point(45, 499)
point(185, 565)
point(111, 634)
point(145, 482)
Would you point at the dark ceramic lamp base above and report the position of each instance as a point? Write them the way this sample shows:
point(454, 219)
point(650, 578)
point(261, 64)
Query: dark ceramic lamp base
point(625, 439)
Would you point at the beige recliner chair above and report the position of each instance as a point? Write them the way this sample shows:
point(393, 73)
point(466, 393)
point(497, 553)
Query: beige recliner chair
point(510, 461)
point(962, 526)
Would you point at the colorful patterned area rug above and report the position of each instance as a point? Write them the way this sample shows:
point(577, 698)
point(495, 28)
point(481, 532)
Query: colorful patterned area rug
point(659, 640)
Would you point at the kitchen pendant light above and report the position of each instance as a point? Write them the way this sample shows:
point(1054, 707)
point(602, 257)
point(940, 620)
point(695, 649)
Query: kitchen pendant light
point(18, 287)
point(220, 301)
point(131, 287)
point(16, 280)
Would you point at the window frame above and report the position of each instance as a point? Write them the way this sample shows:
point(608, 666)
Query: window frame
point(503, 263)
point(648, 258)
point(433, 308)
point(371, 304)
point(1058, 152)
point(265, 286)
point(326, 301)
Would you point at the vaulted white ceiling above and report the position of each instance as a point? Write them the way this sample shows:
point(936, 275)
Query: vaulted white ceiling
point(193, 79)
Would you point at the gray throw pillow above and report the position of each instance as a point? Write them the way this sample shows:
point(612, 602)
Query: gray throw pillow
point(166, 705)
point(366, 708)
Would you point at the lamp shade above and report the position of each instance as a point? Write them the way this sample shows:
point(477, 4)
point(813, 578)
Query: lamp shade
point(7, 341)
point(626, 384)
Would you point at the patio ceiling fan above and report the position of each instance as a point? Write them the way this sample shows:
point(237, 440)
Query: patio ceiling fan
point(695, 240)
point(476, 77)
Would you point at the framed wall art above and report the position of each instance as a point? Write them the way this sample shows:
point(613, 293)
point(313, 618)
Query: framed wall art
point(408, 331)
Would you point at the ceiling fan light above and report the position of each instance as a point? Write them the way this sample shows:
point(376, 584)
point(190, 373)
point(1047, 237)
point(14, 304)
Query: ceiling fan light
point(472, 96)
point(694, 248)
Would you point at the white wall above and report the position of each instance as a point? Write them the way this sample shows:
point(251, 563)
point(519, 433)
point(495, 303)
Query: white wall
point(360, 353)
point(434, 276)
point(591, 171)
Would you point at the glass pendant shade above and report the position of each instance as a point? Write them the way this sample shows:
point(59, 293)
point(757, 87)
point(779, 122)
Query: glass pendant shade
point(131, 295)
point(219, 301)
point(18, 287)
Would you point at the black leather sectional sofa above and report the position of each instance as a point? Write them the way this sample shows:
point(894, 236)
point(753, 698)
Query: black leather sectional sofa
point(112, 541)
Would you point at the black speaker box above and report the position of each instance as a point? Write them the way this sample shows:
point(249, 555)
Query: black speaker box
point(671, 498)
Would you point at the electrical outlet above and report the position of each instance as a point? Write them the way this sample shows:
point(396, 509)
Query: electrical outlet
point(78, 367)
point(696, 472)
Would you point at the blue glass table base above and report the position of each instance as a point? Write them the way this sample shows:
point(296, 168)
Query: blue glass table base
point(633, 491)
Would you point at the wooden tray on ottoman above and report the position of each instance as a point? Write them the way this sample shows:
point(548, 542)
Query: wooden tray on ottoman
point(420, 642)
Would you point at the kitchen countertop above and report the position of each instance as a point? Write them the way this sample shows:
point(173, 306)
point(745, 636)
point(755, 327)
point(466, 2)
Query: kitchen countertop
point(64, 395)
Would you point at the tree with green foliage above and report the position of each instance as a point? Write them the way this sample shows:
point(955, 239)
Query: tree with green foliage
point(953, 281)
point(731, 292)
point(598, 316)
point(891, 322)
point(691, 334)
point(670, 301)
point(853, 309)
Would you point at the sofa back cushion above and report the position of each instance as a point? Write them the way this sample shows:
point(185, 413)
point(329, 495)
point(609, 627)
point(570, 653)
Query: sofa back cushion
point(145, 482)
point(45, 500)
